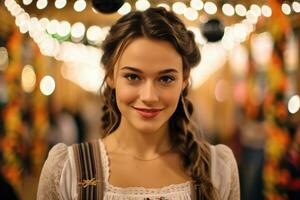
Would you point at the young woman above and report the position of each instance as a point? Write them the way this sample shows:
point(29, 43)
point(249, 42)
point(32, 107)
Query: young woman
point(150, 149)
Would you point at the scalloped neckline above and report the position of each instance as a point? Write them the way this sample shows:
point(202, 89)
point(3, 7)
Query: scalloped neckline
point(185, 186)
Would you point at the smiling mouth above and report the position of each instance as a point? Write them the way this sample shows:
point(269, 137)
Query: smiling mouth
point(147, 113)
point(152, 110)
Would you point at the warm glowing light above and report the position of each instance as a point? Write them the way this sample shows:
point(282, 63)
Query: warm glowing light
point(209, 64)
point(191, 14)
point(41, 4)
point(47, 85)
point(240, 10)
point(59, 4)
point(266, 11)
point(251, 17)
point(52, 27)
point(77, 31)
point(198, 36)
point(64, 28)
point(93, 34)
point(79, 5)
point(126, 8)
point(210, 8)
point(28, 78)
point(286, 8)
point(296, 6)
point(262, 44)
point(228, 9)
point(197, 4)
point(294, 104)
point(27, 2)
point(142, 5)
point(179, 7)
point(239, 60)
point(240, 32)
point(49, 46)
point(255, 9)
point(166, 6)
point(3, 58)
point(22, 19)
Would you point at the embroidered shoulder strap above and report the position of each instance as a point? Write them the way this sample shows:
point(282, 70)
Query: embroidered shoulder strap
point(89, 170)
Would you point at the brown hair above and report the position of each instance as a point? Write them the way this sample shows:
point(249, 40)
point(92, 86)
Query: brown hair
point(159, 24)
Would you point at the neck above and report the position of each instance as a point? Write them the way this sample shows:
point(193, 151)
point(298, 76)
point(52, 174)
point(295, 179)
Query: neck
point(145, 145)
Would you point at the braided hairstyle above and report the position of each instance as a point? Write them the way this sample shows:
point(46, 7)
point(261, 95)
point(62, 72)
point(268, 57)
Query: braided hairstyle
point(160, 24)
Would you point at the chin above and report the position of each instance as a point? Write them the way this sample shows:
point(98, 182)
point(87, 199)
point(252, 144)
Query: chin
point(148, 129)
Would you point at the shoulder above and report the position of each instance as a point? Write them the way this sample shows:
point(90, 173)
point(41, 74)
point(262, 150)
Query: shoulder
point(224, 170)
point(51, 173)
point(222, 154)
point(57, 155)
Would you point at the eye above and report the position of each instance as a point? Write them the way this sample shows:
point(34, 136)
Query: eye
point(132, 77)
point(166, 79)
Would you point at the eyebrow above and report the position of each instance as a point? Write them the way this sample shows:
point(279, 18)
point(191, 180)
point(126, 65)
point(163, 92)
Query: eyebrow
point(140, 71)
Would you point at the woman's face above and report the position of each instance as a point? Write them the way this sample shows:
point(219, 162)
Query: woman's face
point(148, 79)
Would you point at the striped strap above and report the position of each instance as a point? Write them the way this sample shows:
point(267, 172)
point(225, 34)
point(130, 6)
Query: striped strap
point(89, 170)
point(197, 192)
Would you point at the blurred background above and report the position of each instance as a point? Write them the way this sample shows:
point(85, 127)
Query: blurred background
point(245, 90)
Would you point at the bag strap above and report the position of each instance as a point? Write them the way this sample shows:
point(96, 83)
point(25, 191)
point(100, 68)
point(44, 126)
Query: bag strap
point(89, 170)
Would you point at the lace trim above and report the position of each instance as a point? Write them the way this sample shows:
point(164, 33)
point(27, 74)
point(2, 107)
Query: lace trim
point(50, 177)
point(174, 188)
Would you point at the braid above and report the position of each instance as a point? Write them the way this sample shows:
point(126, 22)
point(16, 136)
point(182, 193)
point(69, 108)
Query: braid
point(195, 153)
point(111, 114)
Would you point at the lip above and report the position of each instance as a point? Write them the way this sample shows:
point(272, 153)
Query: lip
point(148, 113)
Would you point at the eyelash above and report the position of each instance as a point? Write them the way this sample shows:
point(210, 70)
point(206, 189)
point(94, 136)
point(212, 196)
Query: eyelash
point(135, 77)
point(131, 77)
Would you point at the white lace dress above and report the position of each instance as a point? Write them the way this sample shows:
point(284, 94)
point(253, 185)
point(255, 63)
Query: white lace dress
point(58, 178)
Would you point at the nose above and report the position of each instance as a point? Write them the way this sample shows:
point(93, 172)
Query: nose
point(148, 93)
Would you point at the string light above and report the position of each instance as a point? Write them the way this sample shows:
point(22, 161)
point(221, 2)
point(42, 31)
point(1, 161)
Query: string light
point(266, 11)
point(44, 22)
point(294, 104)
point(210, 8)
point(126, 8)
point(47, 85)
point(93, 35)
point(197, 4)
point(240, 10)
point(286, 9)
point(77, 53)
point(28, 78)
point(52, 27)
point(59, 4)
point(142, 5)
point(296, 6)
point(77, 32)
point(251, 17)
point(255, 9)
point(166, 6)
point(64, 29)
point(191, 14)
point(179, 7)
point(41, 4)
point(228, 9)
point(3, 58)
point(79, 5)
point(27, 2)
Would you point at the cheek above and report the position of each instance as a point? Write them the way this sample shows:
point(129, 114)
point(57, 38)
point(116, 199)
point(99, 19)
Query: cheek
point(171, 97)
point(125, 95)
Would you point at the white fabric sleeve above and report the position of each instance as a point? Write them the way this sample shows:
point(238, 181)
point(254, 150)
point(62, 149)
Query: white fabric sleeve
point(48, 187)
point(225, 173)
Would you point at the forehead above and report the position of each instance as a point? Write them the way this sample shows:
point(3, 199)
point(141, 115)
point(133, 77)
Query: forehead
point(150, 55)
